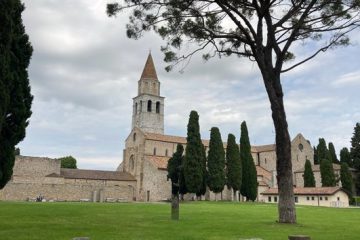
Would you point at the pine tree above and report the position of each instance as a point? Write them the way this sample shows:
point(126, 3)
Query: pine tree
point(193, 172)
point(345, 156)
point(309, 179)
point(346, 178)
point(216, 162)
point(332, 153)
point(355, 147)
point(233, 165)
point(316, 158)
point(327, 173)
point(15, 96)
point(322, 151)
point(174, 169)
point(249, 176)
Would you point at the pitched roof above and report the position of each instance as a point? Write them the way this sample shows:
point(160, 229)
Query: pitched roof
point(307, 191)
point(182, 140)
point(96, 174)
point(263, 172)
point(158, 161)
point(263, 148)
point(149, 71)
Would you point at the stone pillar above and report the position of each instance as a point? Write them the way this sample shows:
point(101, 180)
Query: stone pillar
point(94, 196)
point(101, 195)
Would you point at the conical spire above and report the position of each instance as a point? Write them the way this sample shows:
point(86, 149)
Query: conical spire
point(149, 71)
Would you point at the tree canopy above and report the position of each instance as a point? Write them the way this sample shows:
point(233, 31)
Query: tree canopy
point(346, 178)
point(15, 96)
point(345, 156)
point(266, 32)
point(249, 177)
point(327, 173)
point(68, 162)
point(174, 169)
point(233, 164)
point(309, 179)
point(332, 153)
point(193, 171)
point(216, 162)
point(355, 147)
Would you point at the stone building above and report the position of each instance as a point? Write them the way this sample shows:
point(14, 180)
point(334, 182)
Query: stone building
point(148, 149)
point(35, 176)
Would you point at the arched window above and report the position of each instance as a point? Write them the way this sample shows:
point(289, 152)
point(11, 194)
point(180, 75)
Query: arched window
point(136, 108)
point(140, 106)
point(157, 107)
point(154, 151)
point(166, 152)
point(131, 163)
point(134, 137)
point(149, 106)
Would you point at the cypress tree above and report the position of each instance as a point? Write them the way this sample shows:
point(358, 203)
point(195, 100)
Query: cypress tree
point(345, 156)
point(316, 158)
point(309, 179)
point(332, 153)
point(322, 151)
point(15, 96)
point(249, 176)
point(346, 178)
point(233, 165)
point(202, 190)
point(216, 162)
point(193, 172)
point(327, 173)
point(355, 147)
point(174, 168)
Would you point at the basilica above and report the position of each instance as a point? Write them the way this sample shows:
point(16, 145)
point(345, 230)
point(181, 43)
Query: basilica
point(142, 175)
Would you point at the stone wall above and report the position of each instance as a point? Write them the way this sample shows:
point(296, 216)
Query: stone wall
point(69, 191)
point(155, 185)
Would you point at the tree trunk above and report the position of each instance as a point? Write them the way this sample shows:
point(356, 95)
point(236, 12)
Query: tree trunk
point(286, 206)
point(234, 197)
point(175, 207)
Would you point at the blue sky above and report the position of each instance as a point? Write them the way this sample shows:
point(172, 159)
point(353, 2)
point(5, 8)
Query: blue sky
point(84, 73)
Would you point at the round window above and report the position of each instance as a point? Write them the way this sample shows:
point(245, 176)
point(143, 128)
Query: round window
point(301, 147)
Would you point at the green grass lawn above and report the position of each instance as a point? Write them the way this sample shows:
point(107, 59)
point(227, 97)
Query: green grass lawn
point(205, 220)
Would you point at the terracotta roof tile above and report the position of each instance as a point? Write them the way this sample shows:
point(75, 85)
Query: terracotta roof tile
point(263, 172)
point(307, 191)
point(96, 174)
point(149, 71)
point(158, 161)
point(263, 148)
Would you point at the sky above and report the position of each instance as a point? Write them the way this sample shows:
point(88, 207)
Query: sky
point(84, 73)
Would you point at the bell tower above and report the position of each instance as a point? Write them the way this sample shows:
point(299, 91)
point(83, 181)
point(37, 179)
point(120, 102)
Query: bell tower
point(148, 105)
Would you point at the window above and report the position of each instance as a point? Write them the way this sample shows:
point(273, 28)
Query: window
point(296, 199)
point(308, 198)
point(320, 198)
point(301, 147)
point(338, 198)
point(275, 199)
point(157, 107)
point(149, 106)
point(140, 106)
point(132, 162)
point(136, 108)
point(326, 198)
point(134, 137)
point(269, 199)
point(154, 151)
point(312, 198)
point(265, 160)
point(166, 152)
